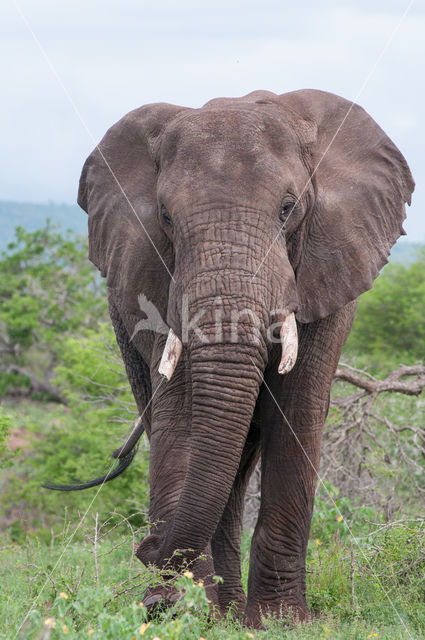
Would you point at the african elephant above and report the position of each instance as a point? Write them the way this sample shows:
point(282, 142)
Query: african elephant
point(261, 211)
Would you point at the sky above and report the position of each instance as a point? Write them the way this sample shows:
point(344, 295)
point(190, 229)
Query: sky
point(70, 69)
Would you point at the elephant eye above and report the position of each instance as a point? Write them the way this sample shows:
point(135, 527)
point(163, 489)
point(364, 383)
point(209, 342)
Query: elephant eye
point(165, 215)
point(286, 210)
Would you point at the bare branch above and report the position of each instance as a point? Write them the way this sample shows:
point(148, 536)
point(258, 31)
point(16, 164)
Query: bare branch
point(368, 450)
point(390, 383)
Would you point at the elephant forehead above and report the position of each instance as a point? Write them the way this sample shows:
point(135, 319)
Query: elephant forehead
point(217, 136)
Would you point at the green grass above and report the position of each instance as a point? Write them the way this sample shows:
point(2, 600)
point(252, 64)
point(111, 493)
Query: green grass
point(373, 584)
point(57, 591)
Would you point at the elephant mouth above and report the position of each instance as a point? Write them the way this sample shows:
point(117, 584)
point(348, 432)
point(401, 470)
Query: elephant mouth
point(288, 339)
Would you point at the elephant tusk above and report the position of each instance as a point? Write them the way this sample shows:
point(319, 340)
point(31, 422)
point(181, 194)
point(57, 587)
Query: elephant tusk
point(171, 354)
point(289, 341)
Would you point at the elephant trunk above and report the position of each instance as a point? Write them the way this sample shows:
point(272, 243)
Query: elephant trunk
point(225, 384)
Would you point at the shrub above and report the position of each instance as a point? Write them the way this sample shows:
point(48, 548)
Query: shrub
point(390, 321)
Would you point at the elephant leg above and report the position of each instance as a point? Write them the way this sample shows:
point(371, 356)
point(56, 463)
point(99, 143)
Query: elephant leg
point(293, 411)
point(169, 458)
point(226, 541)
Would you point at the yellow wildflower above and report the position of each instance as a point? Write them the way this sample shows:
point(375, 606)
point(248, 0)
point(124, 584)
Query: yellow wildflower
point(141, 604)
point(200, 583)
point(91, 631)
point(143, 627)
point(317, 542)
point(63, 595)
point(65, 628)
point(50, 622)
point(188, 574)
point(340, 519)
point(372, 635)
point(249, 635)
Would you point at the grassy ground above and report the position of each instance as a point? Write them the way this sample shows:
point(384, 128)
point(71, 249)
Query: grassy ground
point(59, 585)
point(93, 589)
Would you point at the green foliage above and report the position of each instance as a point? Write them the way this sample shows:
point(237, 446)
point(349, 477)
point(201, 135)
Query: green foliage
point(93, 380)
point(6, 455)
point(75, 442)
point(335, 516)
point(47, 291)
point(390, 322)
point(55, 328)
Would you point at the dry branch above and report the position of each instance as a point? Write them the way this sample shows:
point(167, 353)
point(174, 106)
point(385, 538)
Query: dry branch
point(392, 382)
point(365, 453)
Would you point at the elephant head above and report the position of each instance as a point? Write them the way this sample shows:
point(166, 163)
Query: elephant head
point(278, 207)
point(302, 191)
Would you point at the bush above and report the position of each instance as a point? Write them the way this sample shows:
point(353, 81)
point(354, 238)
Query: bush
point(6, 455)
point(75, 442)
point(390, 321)
point(48, 290)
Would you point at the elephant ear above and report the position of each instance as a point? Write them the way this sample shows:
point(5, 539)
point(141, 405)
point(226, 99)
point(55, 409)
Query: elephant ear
point(118, 191)
point(361, 183)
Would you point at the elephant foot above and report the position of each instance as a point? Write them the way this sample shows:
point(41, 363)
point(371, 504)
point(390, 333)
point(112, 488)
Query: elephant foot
point(288, 613)
point(232, 602)
point(160, 598)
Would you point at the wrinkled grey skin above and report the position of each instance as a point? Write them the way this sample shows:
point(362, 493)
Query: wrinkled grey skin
point(223, 175)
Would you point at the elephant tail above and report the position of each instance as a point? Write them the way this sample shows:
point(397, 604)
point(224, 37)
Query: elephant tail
point(124, 454)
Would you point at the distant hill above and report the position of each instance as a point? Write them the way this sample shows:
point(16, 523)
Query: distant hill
point(33, 216)
point(405, 251)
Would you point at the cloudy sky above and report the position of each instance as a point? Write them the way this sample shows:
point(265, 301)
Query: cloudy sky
point(70, 69)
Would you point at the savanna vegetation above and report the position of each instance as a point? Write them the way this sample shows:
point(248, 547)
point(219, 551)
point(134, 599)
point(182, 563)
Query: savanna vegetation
point(66, 563)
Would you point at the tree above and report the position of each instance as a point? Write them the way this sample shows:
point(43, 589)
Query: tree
point(48, 290)
point(390, 322)
point(57, 344)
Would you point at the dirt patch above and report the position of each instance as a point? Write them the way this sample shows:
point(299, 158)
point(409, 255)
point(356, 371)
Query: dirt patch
point(20, 438)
